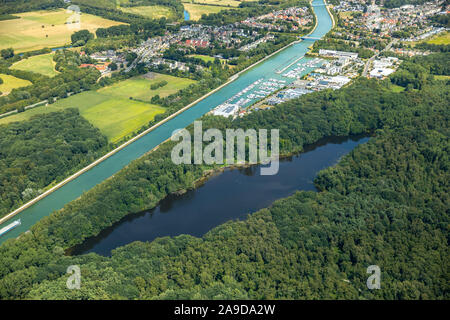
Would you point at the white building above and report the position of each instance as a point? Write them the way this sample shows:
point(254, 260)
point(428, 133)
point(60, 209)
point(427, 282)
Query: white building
point(340, 80)
point(226, 110)
point(338, 54)
point(384, 62)
point(381, 72)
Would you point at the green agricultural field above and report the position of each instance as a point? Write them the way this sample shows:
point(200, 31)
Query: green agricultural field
point(197, 10)
point(115, 117)
point(42, 64)
point(152, 12)
point(139, 87)
point(39, 29)
point(442, 38)
point(10, 82)
point(110, 109)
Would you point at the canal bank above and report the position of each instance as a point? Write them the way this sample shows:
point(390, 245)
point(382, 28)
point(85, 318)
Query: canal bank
point(154, 136)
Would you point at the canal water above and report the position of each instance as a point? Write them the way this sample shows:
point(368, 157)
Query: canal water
point(107, 168)
point(230, 195)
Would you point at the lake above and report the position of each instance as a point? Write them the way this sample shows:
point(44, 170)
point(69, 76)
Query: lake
point(227, 196)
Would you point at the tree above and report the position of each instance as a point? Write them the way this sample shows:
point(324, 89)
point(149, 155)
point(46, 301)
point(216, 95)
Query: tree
point(113, 66)
point(81, 37)
point(7, 53)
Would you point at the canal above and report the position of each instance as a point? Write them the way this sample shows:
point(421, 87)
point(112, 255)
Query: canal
point(113, 164)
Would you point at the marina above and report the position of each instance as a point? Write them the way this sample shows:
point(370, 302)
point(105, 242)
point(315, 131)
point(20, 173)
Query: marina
point(264, 87)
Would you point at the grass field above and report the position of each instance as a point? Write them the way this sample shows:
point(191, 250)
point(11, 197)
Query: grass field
point(139, 87)
point(396, 88)
point(110, 109)
point(116, 118)
point(442, 38)
point(442, 77)
point(109, 4)
point(152, 12)
point(203, 57)
point(42, 64)
point(10, 82)
point(39, 29)
point(225, 3)
point(196, 10)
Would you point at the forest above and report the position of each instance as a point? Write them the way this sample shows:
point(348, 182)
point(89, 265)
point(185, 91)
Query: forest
point(16, 6)
point(386, 203)
point(377, 209)
point(48, 148)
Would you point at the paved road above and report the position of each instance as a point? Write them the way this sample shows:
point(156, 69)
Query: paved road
point(369, 62)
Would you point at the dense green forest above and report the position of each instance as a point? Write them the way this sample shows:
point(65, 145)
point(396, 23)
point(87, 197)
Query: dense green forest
point(35, 153)
point(15, 6)
point(378, 209)
point(385, 204)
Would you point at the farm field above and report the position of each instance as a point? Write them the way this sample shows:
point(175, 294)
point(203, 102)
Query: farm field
point(117, 118)
point(152, 12)
point(442, 38)
point(197, 10)
point(225, 3)
point(139, 87)
point(39, 29)
point(11, 82)
point(110, 109)
point(42, 64)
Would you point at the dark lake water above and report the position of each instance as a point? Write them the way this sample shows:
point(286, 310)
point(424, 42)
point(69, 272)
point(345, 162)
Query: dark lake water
point(227, 196)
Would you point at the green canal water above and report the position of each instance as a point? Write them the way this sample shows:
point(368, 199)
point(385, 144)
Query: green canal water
point(109, 167)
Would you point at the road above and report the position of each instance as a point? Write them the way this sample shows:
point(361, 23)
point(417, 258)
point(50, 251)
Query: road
point(369, 62)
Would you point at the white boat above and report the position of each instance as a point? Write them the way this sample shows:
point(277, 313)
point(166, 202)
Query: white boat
point(9, 227)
